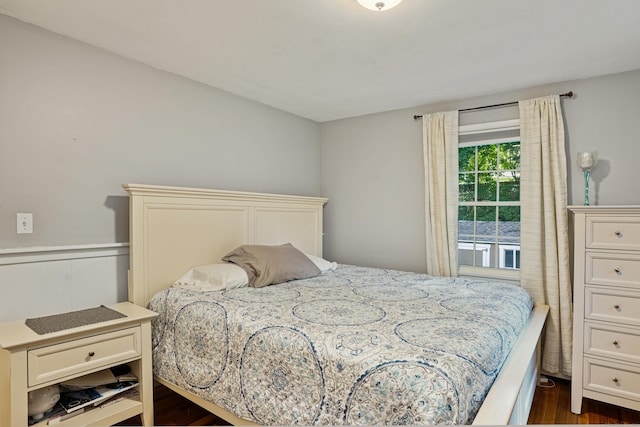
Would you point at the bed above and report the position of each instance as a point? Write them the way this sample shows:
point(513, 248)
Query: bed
point(351, 345)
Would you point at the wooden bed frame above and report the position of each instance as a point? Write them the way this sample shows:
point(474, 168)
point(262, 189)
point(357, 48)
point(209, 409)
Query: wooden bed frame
point(173, 229)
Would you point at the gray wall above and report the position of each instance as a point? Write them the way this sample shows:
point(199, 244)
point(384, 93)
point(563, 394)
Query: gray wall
point(77, 122)
point(372, 167)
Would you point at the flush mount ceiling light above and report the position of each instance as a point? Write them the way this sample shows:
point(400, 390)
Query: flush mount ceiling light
point(379, 5)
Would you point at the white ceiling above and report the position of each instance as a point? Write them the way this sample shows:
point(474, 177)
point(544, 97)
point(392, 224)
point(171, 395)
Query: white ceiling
point(331, 59)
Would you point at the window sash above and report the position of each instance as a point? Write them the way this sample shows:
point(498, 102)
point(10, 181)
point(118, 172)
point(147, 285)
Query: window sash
point(499, 272)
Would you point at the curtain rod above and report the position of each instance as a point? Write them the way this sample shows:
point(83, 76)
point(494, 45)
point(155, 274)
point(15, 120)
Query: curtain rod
point(482, 107)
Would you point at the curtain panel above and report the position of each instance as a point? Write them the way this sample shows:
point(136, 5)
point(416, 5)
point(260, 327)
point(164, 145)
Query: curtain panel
point(440, 145)
point(545, 268)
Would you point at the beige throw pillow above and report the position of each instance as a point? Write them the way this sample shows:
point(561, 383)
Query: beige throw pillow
point(270, 265)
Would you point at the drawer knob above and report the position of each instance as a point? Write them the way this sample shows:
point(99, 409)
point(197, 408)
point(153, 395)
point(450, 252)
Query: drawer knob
point(618, 234)
point(615, 343)
point(615, 380)
point(617, 307)
point(617, 270)
point(92, 353)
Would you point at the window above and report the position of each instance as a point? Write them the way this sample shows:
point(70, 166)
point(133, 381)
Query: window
point(510, 257)
point(489, 199)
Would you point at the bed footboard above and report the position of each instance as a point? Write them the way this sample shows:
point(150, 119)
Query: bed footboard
point(509, 400)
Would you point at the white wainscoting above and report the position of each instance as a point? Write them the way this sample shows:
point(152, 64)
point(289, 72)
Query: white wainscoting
point(39, 281)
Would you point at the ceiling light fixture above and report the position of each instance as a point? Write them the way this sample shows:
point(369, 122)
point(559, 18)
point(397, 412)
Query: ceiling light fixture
point(379, 5)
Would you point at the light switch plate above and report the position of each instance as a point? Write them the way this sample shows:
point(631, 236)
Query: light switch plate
point(24, 223)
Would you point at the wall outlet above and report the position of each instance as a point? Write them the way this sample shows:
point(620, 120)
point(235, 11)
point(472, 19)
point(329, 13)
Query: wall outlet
point(25, 223)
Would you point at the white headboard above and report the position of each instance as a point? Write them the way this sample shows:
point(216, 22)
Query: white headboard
point(173, 229)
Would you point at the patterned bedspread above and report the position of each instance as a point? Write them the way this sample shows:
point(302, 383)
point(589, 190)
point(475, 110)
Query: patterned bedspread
point(352, 346)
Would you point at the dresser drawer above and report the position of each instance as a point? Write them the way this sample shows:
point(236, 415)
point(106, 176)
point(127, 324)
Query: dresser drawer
point(604, 268)
point(612, 378)
point(612, 305)
point(612, 341)
point(75, 357)
point(607, 232)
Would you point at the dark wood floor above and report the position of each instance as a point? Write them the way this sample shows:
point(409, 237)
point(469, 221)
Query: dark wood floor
point(550, 406)
point(171, 409)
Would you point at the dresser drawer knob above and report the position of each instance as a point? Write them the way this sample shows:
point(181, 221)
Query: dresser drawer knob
point(617, 270)
point(617, 307)
point(618, 234)
point(615, 380)
point(615, 343)
point(92, 353)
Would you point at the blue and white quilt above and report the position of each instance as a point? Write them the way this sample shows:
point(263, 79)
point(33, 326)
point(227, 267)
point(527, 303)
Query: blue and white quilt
point(352, 346)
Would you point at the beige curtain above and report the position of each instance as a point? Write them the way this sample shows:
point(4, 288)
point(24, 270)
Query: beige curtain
point(440, 145)
point(544, 225)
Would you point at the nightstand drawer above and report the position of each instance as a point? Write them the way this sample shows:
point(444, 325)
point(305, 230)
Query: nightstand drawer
point(611, 341)
point(609, 232)
point(604, 268)
point(612, 305)
point(75, 357)
point(612, 378)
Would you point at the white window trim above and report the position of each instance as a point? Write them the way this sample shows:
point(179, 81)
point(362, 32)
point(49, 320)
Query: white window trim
point(488, 127)
point(490, 273)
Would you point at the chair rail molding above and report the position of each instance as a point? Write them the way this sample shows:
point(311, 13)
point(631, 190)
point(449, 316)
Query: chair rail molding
point(56, 253)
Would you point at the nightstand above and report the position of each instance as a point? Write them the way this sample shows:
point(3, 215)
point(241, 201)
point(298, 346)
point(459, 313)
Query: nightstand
point(29, 361)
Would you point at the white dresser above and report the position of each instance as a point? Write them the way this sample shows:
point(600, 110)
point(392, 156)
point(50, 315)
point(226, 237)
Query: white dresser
point(606, 322)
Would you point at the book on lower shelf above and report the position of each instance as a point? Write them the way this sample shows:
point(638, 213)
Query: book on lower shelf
point(98, 389)
point(74, 400)
point(133, 393)
point(112, 375)
point(79, 401)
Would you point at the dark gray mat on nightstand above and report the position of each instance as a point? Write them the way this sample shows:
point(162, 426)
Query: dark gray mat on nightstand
point(73, 319)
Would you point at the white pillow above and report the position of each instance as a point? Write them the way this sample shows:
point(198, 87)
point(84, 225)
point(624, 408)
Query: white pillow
point(322, 263)
point(214, 277)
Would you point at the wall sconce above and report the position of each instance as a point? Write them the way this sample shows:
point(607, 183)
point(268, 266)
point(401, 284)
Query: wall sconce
point(587, 160)
point(379, 5)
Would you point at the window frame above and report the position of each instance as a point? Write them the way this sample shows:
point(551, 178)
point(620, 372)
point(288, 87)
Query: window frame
point(478, 129)
point(502, 249)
